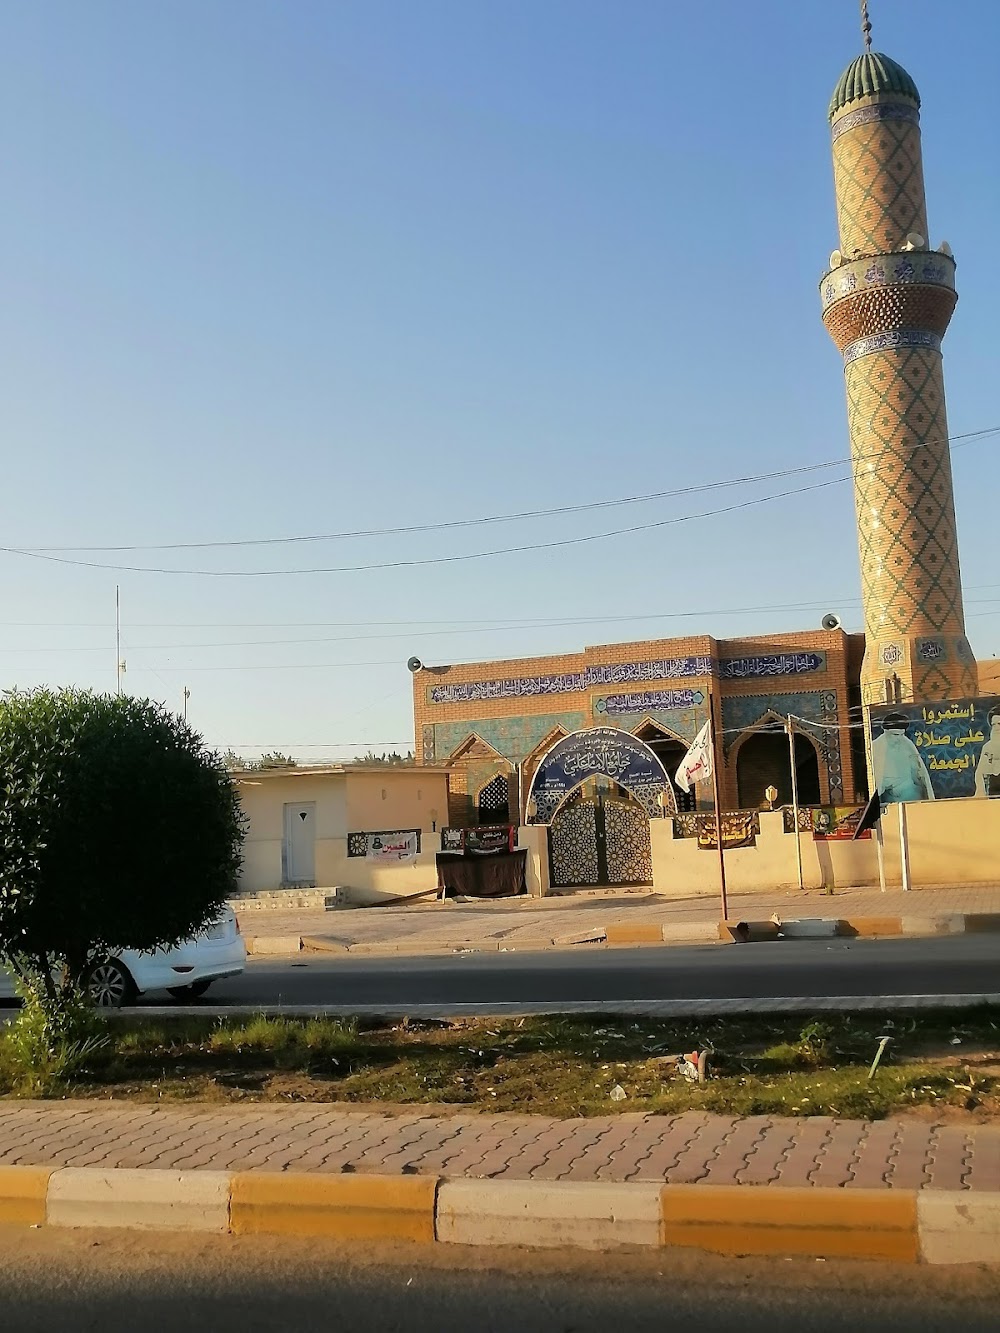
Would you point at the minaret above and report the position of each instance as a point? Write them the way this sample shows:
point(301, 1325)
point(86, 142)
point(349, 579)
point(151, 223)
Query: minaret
point(887, 301)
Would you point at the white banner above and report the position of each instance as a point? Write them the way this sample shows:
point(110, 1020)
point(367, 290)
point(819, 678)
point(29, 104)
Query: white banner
point(696, 766)
point(394, 847)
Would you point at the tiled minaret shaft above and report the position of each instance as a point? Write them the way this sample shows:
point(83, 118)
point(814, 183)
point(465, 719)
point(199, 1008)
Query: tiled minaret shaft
point(887, 305)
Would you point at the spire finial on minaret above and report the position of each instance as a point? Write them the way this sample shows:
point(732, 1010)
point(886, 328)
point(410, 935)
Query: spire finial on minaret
point(866, 25)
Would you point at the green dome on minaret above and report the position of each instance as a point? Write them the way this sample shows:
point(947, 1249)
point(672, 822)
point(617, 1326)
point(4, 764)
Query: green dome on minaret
point(869, 75)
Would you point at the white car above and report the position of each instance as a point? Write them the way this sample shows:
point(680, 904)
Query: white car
point(185, 972)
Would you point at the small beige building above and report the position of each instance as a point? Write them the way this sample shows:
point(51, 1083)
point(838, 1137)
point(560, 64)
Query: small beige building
point(372, 831)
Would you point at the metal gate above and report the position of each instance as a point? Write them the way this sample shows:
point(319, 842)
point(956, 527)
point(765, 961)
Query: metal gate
point(600, 842)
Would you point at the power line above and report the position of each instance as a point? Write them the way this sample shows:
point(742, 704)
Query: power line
point(554, 511)
point(427, 560)
point(556, 543)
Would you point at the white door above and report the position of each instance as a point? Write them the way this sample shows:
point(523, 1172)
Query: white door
point(298, 849)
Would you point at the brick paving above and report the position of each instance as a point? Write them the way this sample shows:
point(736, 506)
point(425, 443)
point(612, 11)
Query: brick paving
point(693, 1148)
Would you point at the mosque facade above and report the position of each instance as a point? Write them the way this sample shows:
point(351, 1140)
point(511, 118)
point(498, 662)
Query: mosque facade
point(783, 703)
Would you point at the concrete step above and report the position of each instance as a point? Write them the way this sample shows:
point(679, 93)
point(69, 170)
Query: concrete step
point(284, 899)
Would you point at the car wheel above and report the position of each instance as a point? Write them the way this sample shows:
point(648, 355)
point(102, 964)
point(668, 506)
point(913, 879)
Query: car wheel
point(110, 984)
point(189, 992)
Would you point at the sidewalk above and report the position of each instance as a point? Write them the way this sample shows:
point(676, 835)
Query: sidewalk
point(899, 1189)
point(531, 923)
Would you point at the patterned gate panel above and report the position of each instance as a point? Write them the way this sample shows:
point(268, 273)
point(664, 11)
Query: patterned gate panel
point(626, 829)
point(573, 845)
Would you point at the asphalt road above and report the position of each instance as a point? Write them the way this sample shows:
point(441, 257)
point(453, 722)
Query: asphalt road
point(89, 1281)
point(960, 964)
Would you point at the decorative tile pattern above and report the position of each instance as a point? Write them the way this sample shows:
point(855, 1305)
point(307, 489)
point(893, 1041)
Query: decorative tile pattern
point(871, 115)
point(879, 180)
point(742, 714)
point(903, 495)
point(890, 335)
point(914, 267)
point(512, 737)
point(931, 650)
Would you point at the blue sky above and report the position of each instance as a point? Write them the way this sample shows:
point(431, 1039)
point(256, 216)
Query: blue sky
point(275, 270)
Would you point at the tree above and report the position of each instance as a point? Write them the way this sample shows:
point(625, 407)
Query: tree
point(118, 829)
point(371, 759)
point(273, 759)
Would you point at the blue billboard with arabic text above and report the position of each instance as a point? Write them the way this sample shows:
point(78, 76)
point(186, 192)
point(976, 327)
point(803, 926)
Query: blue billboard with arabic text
point(936, 751)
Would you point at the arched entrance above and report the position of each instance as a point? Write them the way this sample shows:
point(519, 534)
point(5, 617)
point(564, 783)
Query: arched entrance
point(598, 790)
point(599, 838)
point(763, 761)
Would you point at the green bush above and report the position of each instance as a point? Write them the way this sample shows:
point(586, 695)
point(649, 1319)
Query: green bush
point(118, 830)
point(49, 1042)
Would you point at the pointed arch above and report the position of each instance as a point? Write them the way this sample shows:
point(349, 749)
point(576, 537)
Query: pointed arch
point(670, 748)
point(760, 758)
point(473, 765)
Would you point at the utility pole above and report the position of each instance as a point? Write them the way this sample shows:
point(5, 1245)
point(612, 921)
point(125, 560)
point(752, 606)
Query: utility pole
point(187, 696)
point(118, 639)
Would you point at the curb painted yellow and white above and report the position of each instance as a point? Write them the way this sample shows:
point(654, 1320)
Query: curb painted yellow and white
point(904, 1226)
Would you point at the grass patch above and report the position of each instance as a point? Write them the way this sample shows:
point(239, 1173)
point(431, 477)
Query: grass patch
point(557, 1066)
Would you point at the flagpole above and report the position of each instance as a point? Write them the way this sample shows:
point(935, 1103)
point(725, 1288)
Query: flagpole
point(718, 806)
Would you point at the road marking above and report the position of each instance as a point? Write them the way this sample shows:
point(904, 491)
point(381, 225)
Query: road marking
point(692, 1008)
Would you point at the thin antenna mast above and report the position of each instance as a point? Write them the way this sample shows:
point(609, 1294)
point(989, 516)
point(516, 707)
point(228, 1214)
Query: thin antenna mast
point(118, 639)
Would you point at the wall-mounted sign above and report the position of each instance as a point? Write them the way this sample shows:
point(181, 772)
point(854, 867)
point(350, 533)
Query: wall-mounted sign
point(648, 700)
point(396, 848)
point(599, 751)
point(777, 664)
point(935, 751)
point(365, 843)
point(836, 823)
point(739, 829)
point(483, 838)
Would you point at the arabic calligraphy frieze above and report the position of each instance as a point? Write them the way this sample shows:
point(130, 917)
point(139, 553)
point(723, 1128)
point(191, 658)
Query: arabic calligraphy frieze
point(778, 664)
point(570, 682)
point(866, 115)
point(916, 267)
point(622, 673)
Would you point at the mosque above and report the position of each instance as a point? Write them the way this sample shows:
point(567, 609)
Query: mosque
point(886, 301)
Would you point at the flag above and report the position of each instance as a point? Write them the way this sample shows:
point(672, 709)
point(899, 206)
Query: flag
point(696, 766)
point(870, 816)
